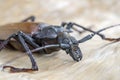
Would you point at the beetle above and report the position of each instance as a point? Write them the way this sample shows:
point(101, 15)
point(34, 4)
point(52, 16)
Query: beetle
point(44, 38)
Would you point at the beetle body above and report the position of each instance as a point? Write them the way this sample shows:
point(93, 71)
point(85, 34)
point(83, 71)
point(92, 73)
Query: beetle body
point(43, 38)
point(28, 28)
point(42, 34)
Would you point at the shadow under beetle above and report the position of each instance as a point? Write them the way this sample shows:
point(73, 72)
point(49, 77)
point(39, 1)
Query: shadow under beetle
point(40, 37)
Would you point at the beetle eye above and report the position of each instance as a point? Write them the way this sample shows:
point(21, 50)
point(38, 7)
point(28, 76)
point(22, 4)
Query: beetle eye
point(75, 48)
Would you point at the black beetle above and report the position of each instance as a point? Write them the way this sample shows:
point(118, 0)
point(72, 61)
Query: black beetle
point(40, 37)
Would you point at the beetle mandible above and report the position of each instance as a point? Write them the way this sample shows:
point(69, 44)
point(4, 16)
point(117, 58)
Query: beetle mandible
point(41, 37)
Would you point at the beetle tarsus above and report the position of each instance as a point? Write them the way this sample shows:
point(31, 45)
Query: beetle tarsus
point(14, 70)
point(31, 18)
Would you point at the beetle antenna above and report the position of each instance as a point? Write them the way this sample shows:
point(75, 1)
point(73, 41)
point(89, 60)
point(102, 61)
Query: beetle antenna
point(108, 28)
point(102, 36)
point(86, 38)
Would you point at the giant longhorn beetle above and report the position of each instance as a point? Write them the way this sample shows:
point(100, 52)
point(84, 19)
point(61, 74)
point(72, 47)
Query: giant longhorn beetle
point(41, 37)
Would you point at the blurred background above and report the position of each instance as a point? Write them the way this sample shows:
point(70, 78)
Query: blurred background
point(100, 62)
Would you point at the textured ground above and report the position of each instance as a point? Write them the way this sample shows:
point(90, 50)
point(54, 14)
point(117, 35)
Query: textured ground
point(99, 63)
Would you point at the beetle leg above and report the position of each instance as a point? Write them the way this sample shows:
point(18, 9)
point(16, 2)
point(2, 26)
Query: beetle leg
point(30, 41)
point(70, 25)
point(31, 18)
point(45, 47)
point(29, 53)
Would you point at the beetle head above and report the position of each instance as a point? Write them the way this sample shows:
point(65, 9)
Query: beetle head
point(72, 48)
point(75, 53)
